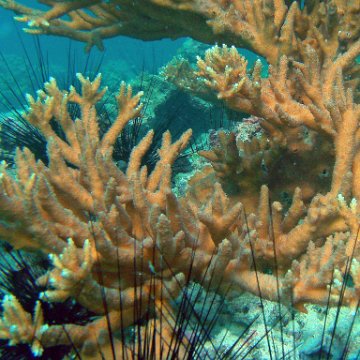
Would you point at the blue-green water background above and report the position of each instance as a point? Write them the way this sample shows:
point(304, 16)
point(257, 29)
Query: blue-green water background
point(149, 54)
point(128, 56)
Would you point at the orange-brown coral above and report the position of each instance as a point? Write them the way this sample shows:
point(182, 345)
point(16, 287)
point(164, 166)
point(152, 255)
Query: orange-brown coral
point(113, 237)
point(95, 219)
point(302, 107)
point(119, 237)
point(90, 216)
point(243, 165)
point(308, 109)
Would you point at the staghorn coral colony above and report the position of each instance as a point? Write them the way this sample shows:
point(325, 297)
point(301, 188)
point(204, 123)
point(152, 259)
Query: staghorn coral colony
point(117, 237)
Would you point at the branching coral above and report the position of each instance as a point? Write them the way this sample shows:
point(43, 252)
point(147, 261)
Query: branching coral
point(120, 236)
point(308, 108)
point(302, 106)
point(115, 238)
point(83, 197)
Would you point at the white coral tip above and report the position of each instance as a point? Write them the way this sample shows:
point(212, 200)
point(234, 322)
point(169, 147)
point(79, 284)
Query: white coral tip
point(341, 199)
point(353, 205)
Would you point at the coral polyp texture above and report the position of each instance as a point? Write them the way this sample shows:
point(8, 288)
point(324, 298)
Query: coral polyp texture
point(116, 238)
